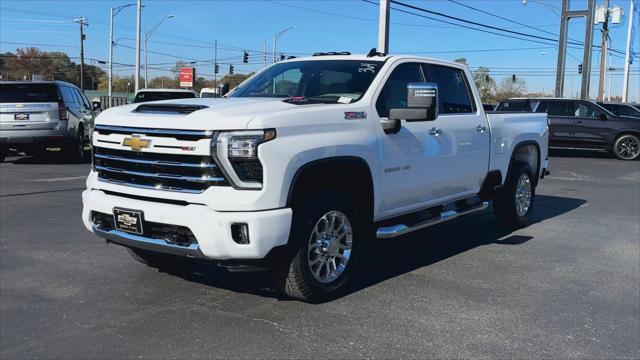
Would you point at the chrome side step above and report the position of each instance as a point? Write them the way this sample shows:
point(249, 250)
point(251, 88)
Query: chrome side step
point(401, 229)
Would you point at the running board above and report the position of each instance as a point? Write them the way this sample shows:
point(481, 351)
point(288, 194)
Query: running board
point(401, 229)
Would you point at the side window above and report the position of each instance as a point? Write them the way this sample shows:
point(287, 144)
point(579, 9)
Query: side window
point(67, 95)
point(559, 108)
point(82, 99)
point(542, 107)
point(394, 92)
point(586, 110)
point(453, 90)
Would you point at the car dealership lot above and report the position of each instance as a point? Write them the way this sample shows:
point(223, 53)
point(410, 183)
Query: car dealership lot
point(567, 286)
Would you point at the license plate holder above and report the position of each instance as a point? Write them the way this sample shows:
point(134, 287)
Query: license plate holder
point(21, 117)
point(128, 220)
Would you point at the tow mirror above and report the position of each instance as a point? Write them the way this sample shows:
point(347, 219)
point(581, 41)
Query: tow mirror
point(422, 103)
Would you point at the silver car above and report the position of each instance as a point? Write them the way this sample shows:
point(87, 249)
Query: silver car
point(36, 115)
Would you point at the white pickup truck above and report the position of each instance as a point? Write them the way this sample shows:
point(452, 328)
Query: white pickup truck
point(305, 162)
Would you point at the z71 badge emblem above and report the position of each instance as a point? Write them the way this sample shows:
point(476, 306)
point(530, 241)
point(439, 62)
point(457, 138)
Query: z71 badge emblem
point(355, 115)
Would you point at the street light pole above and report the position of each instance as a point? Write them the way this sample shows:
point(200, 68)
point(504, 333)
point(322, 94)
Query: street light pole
point(138, 27)
point(114, 12)
point(275, 40)
point(146, 39)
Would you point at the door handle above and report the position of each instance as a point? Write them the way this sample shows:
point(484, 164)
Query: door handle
point(577, 121)
point(481, 129)
point(435, 131)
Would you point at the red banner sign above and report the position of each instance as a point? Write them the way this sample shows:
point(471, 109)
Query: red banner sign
point(187, 75)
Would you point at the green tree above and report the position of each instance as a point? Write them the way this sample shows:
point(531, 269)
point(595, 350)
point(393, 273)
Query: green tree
point(461, 61)
point(509, 88)
point(486, 84)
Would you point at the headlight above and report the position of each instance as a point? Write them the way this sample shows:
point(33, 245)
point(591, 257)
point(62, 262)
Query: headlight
point(237, 154)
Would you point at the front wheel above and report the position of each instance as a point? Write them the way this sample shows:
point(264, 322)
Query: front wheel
point(627, 147)
point(513, 203)
point(326, 238)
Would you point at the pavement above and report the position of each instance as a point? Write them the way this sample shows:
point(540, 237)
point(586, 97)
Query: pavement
point(568, 286)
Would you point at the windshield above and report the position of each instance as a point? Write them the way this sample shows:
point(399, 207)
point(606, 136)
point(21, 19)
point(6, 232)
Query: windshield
point(145, 96)
point(28, 93)
point(330, 81)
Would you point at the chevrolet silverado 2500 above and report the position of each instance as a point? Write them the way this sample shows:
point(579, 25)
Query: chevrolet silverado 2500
point(306, 161)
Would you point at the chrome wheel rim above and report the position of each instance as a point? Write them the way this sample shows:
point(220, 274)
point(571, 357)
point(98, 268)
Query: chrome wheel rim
point(330, 246)
point(523, 195)
point(628, 148)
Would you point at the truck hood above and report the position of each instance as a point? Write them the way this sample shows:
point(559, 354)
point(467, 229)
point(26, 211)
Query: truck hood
point(216, 114)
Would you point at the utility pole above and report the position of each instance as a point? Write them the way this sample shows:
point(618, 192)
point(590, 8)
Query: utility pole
point(627, 58)
point(603, 50)
point(562, 47)
point(383, 26)
point(215, 65)
point(83, 22)
point(264, 45)
point(114, 12)
point(138, 29)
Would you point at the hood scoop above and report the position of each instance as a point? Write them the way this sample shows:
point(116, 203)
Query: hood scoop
point(171, 109)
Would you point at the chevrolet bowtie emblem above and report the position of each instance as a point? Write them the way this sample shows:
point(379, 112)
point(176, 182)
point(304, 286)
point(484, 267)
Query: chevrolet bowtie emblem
point(127, 220)
point(136, 143)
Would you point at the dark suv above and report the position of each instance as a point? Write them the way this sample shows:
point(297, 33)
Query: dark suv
point(583, 124)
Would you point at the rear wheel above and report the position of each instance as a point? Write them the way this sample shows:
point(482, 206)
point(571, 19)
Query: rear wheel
point(627, 147)
point(326, 238)
point(74, 151)
point(513, 204)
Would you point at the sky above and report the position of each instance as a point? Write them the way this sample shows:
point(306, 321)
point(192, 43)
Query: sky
point(318, 25)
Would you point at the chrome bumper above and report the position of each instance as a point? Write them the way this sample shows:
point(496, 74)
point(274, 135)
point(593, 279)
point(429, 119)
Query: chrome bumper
point(150, 244)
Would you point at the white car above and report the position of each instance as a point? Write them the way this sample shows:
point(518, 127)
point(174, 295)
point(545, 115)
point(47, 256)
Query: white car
point(304, 162)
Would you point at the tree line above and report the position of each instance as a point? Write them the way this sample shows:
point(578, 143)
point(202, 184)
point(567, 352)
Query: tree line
point(31, 62)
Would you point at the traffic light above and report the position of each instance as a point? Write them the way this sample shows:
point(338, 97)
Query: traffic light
point(579, 68)
point(216, 69)
point(245, 57)
point(513, 77)
point(230, 69)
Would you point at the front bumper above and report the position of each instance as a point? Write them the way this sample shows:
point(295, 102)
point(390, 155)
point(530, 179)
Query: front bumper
point(212, 229)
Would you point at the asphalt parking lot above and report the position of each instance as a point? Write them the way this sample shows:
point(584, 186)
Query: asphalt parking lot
point(566, 287)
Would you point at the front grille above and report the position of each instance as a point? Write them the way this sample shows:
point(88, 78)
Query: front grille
point(172, 234)
point(170, 172)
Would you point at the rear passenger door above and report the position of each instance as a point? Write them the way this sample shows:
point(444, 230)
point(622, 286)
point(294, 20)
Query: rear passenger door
point(561, 122)
point(465, 140)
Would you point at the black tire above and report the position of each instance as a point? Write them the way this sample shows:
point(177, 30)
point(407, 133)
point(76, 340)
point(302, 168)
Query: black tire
point(293, 273)
point(627, 147)
point(505, 203)
point(74, 150)
point(3, 154)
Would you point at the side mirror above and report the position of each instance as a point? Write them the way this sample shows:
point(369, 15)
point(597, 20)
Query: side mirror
point(422, 103)
point(603, 116)
point(96, 105)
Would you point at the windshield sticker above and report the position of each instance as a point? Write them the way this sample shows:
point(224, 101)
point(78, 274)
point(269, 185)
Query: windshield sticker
point(344, 100)
point(355, 115)
point(367, 67)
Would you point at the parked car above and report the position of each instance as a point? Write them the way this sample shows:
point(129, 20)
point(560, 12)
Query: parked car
point(583, 124)
point(36, 115)
point(621, 109)
point(208, 92)
point(488, 107)
point(146, 95)
point(302, 163)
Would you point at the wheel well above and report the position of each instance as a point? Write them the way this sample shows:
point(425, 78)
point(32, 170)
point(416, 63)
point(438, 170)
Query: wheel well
point(350, 176)
point(528, 152)
point(626, 132)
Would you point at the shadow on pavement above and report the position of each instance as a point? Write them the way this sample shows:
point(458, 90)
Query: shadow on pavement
point(400, 255)
point(576, 153)
point(48, 158)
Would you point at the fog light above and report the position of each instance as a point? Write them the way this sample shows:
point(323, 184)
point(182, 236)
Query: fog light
point(240, 233)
